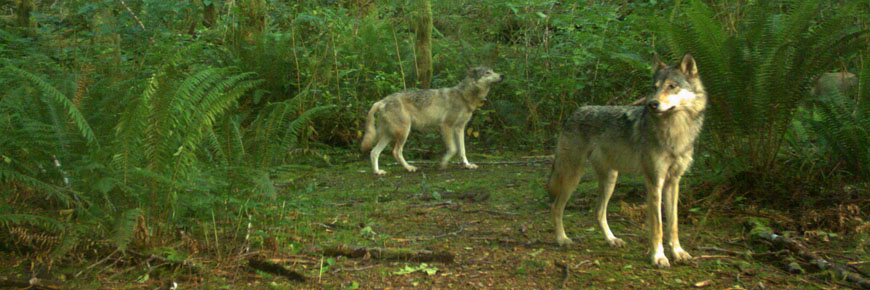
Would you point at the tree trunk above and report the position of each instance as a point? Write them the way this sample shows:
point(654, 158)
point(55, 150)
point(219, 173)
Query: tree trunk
point(253, 18)
point(209, 13)
point(423, 45)
point(23, 19)
point(359, 8)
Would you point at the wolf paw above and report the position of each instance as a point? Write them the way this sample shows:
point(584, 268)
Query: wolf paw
point(411, 168)
point(471, 166)
point(681, 255)
point(661, 262)
point(616, 243)
point(380, 172)
point(564, 241)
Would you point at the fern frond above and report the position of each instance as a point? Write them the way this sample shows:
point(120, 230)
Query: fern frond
point(291, 134)
point(58, 98)
point(10, 176)
point(125, 227)
point(42, 222)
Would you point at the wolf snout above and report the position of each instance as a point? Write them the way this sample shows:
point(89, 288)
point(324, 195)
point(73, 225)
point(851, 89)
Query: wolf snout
point(653, 104)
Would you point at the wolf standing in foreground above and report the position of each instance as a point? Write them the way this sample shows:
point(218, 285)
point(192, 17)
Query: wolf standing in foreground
point(656, 140)
point(447, 109)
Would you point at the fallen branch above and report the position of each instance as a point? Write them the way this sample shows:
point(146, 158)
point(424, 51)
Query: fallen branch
point(525, 162)
point(33, 283)
point(393, 254)
point(732, 252)
point(293, 260)
point(515, 242)
point(437, 204)
point(276, 269)
point(799, 249)
point(103, 260)
point(490, 211)
point(421, 238)
point(180, 263)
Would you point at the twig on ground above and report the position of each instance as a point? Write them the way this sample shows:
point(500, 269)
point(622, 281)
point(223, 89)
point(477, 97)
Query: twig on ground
point(395, 254)
point(515, 242)
point(181, 263)
point(421, 238)
point(352, 269)
point(437, 204)
point(717, 249)
point(103, 260)
point(524, 162)
point(712, 257)
point(490, 211)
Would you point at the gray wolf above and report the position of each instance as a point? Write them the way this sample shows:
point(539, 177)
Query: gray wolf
point(837, 82)
point(655, 139)
point(445, 109)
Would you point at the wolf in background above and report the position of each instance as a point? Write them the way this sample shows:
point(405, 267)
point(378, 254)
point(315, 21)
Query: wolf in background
point(655, 139)
point(445, 109)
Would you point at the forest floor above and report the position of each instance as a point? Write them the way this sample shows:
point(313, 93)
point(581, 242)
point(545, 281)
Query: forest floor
point(487, 228)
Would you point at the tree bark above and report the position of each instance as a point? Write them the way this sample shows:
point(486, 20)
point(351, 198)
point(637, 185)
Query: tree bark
point(253, 18)
point(209, 13)
point(423, 44)
point(23, 19)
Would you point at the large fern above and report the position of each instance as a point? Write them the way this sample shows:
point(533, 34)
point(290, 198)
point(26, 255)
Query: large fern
point(844, 127)
point(164, 131)
point(58, 98)
point(757, 75)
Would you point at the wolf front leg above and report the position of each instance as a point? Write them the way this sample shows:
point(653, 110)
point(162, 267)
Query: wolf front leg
point(460, 137)
point(671, 199)
point(654, 220)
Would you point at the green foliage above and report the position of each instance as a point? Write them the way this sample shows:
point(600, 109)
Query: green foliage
point(758, 72)
point(153, 119)
point(844, 128)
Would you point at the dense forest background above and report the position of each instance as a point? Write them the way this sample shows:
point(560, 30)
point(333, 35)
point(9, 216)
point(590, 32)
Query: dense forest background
point(123, 122)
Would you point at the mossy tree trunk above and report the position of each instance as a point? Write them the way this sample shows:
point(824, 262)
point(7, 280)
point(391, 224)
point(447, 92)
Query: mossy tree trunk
point(23, 19)
point(423, 44)
point(359, 8)
point(252, 18)
point(209, 13)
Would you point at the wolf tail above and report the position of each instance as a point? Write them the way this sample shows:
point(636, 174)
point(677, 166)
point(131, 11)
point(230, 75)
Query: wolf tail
point(371, 134)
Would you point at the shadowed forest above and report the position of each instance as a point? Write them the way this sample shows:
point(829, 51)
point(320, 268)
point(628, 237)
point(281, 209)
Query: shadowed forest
point(215, 144)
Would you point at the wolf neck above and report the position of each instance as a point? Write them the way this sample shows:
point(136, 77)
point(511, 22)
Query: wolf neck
point(677, 131)
point(471, 93)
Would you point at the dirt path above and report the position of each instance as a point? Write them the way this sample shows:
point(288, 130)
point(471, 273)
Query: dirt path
point(495, 222)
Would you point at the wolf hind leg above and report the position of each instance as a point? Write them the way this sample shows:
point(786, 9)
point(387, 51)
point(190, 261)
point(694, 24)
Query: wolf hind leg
point(567, 170)
point(401, 137)
point(606, 183)
point(383, 140)
point(448, 134)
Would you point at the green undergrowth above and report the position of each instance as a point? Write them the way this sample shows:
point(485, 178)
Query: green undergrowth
point(494, 220)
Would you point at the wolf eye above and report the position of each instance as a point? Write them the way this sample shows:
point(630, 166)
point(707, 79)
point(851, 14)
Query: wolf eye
point(672, 86)
point(487, 72)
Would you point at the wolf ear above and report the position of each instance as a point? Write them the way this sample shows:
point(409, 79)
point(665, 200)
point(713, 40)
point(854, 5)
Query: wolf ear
point(657, 64)
point(688, 66)
point(472, 69)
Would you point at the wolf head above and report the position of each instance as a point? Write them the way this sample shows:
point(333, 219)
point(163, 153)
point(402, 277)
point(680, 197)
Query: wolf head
point(678, 88)
point(484, 75)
